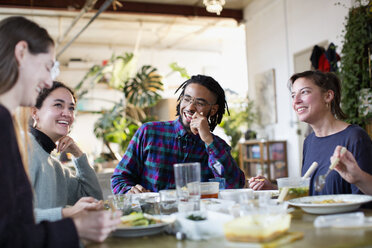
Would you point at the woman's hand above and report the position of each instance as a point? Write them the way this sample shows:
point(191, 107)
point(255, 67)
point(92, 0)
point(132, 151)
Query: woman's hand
point(260, 183)
point(67, 144)
point(347, 166)
point(96, 225)
point(85, 203)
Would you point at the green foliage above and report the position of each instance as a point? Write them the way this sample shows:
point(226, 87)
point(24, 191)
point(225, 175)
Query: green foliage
point(114, 127)
point(354, 61)
point(240, 120)
point(181, 70)
point(114, 73)
point(142, 91)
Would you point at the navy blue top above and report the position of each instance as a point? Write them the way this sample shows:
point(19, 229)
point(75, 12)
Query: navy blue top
point(320, 149)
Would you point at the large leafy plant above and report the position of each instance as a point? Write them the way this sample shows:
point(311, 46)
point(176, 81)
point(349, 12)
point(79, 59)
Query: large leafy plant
point(354, 62)
point(140, 92)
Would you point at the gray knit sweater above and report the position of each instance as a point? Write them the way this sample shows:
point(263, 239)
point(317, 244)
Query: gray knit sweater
point(55, 186)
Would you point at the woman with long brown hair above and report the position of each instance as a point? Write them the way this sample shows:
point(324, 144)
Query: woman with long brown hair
point(27, 59)
point(55, 185)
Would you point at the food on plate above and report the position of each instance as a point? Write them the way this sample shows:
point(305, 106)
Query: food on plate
point(138, 219)
point(259, 180)
point(326, 201)
point(257, 227)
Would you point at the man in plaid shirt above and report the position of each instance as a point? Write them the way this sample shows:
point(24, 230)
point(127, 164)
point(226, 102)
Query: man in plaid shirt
point(147, 165)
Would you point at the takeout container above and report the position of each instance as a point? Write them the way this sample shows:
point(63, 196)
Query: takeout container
point(258, 227)
point(297, 186)
point(209, 189)
point(210, 227)
point(261, 220)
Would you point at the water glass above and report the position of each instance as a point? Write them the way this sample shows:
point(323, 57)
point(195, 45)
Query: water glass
point(168, 201)
point(187, 177)
point(121, 202)
point(150, 205)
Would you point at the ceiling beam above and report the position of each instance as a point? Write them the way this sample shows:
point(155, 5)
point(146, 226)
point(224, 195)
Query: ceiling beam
point(128, 7)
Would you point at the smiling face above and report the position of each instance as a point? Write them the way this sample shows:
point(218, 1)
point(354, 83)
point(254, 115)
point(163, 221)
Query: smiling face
point(56, 114)
point(34, 73)
point(196, 98)
point(308, 100)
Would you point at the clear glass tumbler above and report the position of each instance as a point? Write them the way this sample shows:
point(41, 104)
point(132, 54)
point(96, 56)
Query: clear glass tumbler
point(187, 177)
point(168, 201)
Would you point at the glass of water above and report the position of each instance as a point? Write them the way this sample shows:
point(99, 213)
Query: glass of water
point(187, 177)
point(168, 201)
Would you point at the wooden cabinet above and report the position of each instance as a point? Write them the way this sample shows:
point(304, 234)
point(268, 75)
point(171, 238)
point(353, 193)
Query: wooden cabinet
point(266, 158)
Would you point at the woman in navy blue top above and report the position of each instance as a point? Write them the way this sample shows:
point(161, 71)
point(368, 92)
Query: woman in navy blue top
point(316, 100)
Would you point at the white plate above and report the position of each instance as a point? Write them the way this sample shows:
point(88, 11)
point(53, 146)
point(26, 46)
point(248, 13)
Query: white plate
point(352, 202)
point(273, 193)
point(144, 195)
point(138, 231)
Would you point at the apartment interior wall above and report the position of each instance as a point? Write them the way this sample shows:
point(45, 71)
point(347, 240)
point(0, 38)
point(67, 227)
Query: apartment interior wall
point(275, 32)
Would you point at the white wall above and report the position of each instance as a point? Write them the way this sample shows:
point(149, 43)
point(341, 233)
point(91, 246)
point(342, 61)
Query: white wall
point(275, 31)
point(228, 66)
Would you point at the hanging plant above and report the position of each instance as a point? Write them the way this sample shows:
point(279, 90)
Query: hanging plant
point(354, 63)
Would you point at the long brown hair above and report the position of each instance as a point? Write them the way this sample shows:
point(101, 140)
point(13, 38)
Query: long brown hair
point(13, 30)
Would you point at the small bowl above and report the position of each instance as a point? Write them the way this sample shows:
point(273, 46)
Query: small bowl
point(234, 194)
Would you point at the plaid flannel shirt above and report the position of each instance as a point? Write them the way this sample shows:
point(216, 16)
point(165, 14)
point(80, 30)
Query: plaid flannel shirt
point(156, 146)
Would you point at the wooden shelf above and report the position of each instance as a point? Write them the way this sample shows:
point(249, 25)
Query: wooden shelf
point(266, 158)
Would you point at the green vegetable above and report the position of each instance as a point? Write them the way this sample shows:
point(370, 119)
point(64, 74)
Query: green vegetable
point(196, 217)
point(136, 219)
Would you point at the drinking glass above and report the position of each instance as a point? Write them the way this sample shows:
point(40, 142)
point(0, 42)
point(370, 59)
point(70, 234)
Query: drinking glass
point(187, 177)
point(168, 201)
point(150, 204)
point(209, 189)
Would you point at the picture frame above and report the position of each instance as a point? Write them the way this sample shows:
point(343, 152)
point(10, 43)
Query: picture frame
point(265, 100)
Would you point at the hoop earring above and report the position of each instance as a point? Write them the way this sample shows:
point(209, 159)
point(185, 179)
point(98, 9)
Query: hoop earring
point(34, 125)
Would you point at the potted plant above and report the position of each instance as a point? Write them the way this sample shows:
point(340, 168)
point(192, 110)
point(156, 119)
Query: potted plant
point(354, 69)
point(140, 92)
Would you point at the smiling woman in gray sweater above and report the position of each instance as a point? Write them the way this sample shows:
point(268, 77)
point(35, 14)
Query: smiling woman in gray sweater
point(54, 184)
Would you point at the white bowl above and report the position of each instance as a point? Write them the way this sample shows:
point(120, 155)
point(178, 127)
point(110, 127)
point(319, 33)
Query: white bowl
point(234, 194)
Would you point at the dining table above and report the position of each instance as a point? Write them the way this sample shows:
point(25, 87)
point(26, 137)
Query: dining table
point(301, 222)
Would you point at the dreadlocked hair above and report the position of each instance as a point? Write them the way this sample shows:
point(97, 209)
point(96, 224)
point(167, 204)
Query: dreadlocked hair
point(213, 86)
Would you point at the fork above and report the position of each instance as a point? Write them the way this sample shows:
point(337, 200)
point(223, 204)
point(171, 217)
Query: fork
point(321, 179)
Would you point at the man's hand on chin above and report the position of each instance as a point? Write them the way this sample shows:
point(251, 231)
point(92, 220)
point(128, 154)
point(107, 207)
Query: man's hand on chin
point(199, 125)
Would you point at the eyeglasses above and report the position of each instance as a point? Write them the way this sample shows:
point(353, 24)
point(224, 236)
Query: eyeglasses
point(54, 72)
point(199, 103)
